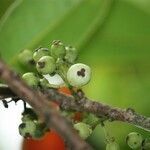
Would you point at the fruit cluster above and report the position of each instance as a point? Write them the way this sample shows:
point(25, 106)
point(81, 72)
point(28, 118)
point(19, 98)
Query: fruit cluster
point(58, 61)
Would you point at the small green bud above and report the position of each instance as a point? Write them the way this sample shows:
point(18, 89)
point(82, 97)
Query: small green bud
point(79, 75)
point(46, 65)
point(71, 54)
point(146, 144)
point(112, 146)
point(31, 79)
point(57, 49)
point(25, 57)
point(134, 140)
point(84, 129)
point(27, 129)
point(40, 53)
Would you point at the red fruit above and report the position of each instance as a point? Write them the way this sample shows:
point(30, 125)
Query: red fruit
point(51, 141)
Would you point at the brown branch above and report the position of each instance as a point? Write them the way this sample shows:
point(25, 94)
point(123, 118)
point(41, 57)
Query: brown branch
point(99, 109)
point(44, 108)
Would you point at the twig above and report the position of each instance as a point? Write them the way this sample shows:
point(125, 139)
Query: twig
point(99, 109)
point(43, 108)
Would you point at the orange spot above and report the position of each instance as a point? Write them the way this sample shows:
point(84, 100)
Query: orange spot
point(64, 90)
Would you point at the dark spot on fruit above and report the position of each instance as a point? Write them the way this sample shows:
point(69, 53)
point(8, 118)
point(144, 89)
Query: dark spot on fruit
point(81, 72)
point(23, 125)
point(41, 64)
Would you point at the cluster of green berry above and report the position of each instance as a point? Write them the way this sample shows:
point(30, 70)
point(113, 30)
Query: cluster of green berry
point(134, 141)
point(58, 61)
point(31, 127)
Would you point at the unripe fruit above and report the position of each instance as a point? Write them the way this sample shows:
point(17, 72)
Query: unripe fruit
point(134, 140)
point(27, 129)
point(112, 146)
point(40, 53)
point(83, 129)
point(25, 57)
point(46, 65)
point(71, 54)
point(31, 79)
point(78, 75)
point(57, 49)
point(146, 144)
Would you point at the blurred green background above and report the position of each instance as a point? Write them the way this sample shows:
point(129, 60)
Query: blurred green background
point(112, 36)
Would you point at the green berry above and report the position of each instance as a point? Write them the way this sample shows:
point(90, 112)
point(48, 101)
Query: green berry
point(134, 140)
point(78, 75)
point(46, 65)
point(71, 54)
point(40, 53)
point(57, 49)
point(31, 79)
point(25, 57)
point(32, 129)
point(146, 144)
point(84, 129)
point(112, 146)
point(27, 129)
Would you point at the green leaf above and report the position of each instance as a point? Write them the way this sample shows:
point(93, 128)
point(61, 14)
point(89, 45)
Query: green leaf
point(28, 21)
point(4, 6)
point(124, 37)
point(142, 4)
point(32, 25)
